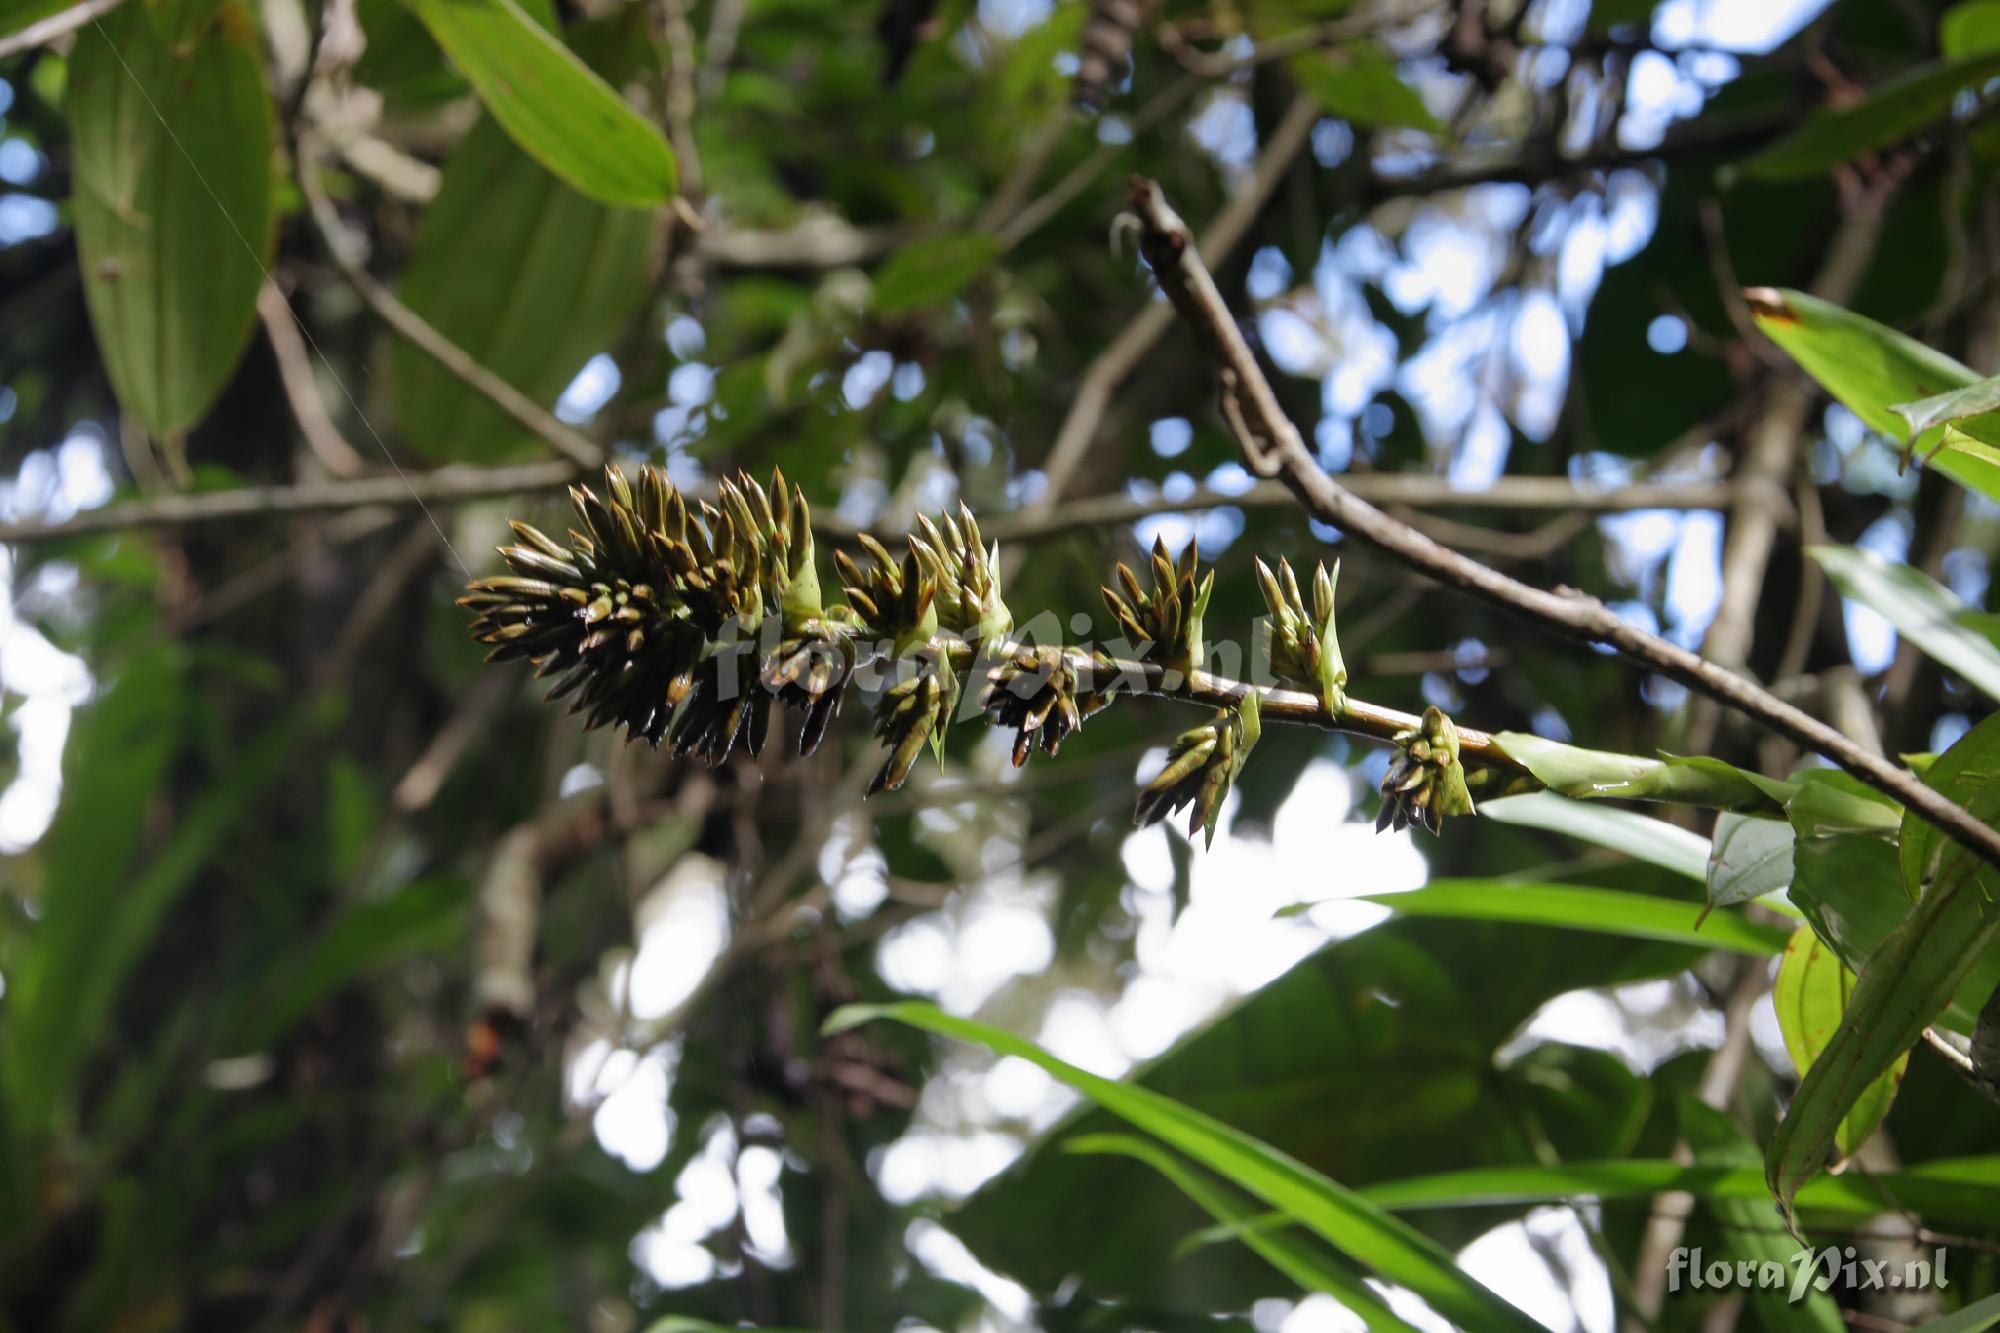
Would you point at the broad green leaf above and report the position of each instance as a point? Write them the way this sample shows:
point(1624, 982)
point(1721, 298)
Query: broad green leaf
point(1871, 369)
point(171, 151)
point(1575, 907)
point(1963, 1189)
point(1651, 840)
point(1906, 983)
point(1810, 995)
point(1358, 82)
point(1831, 800)
point(929, 272)
point(552, 104)
point(575, 276)
point(1970, 29)
point(1715, 1139)
point(1392, 1249)
point(1923, 610)
point(1891, 113)
point(1279, 1246)
point(1751, 857)
point(1589, 774)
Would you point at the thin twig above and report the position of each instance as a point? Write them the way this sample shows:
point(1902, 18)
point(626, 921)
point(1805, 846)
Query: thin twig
point(295, 373)
point(525, 411)
point(56, 25)
point(457, 483)
point(1169, 247)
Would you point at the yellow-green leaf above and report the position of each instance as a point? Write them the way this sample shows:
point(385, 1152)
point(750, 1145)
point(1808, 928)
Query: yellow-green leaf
point(1358, 82)
point(1811, 994)
point(1893, 112)
point(1873, 369)
point(171, 149)
point(551, 104)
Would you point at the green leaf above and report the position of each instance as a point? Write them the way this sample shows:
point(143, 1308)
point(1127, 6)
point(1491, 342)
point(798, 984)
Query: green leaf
point(98, 917)
point(1594, 774)
point(1358, 82)
point(1963, 1190)
point(552, 105)
point(1907, 982)
point(1751, 857)
point(1830, 800)
point(1970, 29)
point(927, 273)
point(1575, 907)
point(1872, 369)
point(1284, 1251)
point(1923, 610)
point(1392, 1249)
point(171, 151)
point(1651, 840)
point(575, 277)
point(1810, 995)
point(1974, 1318)
point(1714, 1138)
point(1891, 113)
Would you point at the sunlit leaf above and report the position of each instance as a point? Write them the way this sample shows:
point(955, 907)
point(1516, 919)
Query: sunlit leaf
point(1358, 82)
point(551, 103)
point(1871, 369)
point(1587, 774)
point(1810, 995)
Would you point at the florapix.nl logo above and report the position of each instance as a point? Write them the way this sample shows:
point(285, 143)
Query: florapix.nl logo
point(1806, 1271)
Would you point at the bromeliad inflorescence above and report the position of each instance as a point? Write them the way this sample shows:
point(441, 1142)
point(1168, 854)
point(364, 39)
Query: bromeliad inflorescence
point(686, 621)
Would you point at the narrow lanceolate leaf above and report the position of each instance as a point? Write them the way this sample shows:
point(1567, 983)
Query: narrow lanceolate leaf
point(1923, 611)
point(1872, 369)
point(1578, 907)
point(1751, 857)
point(1281, 1246)
point(1590, 774)
point(1965, 1189)
point(1364, 1233)
point(523, 272)
point(1652, 840)
point(171, 151)
point(1907, 982)
point(1888, 115)
point(551, 104)
point(1811, 994)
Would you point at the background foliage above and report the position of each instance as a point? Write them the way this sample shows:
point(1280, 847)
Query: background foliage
point(345, 986)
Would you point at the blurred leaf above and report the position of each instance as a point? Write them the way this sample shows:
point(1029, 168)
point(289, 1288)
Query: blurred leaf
point(1891, 113)
point(1974, 1318)
point(1575, 907)
point(172, 202)
point(930, 272)
point(1357, 1229)
point(1358, 82)
point(551, 104)
point(1751, 857)
point(1608, 14)
point(1284, 1251)
point(1923, 610)
point(575, 277)
point(1871, 369)
point(1907, 982)
point(1971, 28)
point(1651, 840)
point(98, 919)
point(1810, 995)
